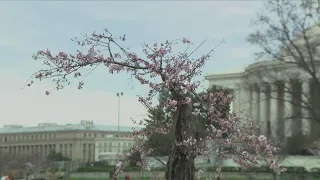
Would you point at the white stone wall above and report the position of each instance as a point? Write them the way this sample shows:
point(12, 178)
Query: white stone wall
point(265, 90)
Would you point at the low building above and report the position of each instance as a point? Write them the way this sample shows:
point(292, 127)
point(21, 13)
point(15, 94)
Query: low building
point(76, 141)
point(107, 148)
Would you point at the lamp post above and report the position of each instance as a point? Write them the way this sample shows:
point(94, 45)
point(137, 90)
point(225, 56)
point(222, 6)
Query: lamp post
point(318, 11)
point(119, 95)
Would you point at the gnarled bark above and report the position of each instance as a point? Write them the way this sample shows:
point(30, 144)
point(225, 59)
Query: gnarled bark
point(180, 165)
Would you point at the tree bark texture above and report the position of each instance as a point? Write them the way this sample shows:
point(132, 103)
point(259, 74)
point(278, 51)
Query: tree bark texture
point(180, 165)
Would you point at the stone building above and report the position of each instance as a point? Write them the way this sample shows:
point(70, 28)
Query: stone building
point(280, 95)
point(278, 106)
point(76, 141)
point(107, 147)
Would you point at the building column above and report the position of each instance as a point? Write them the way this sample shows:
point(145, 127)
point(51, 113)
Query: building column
point(234, 100)
point(93, 151)
point(88, 153)
point(255, 106)
point(288, 109)
point(246, 102)
point(250, 97)
point(305, 113)
point(263, 110)
point(274, 110)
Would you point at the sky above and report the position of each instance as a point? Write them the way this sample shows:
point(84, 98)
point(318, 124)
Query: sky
point(29, 26)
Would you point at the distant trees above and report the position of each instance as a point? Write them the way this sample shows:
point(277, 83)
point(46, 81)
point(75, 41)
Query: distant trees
point(57, 156)
point(161, 143)
point(134, 158)
point(160, 115)
point(22, 164)
point(102, 163)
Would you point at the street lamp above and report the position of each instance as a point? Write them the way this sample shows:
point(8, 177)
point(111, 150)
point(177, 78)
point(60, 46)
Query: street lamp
point(118, 148)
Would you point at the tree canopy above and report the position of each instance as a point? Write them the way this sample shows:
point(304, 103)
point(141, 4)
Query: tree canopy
point(162, 143)
point(160, 68)
point(57, 156)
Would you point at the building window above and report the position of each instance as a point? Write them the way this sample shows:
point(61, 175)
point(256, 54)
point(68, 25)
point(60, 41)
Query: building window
point(100, 147)
point(66, 150)
point(84, 134)
point(84, 151)
point(130, 145)
point(89, 151)
point(70, 151)
point(5, 139)
point(110, 147)
point(105, 147)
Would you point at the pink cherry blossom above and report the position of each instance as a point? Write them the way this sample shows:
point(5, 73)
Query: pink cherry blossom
point(173, 103)
point(158, 68)
point(185, 40)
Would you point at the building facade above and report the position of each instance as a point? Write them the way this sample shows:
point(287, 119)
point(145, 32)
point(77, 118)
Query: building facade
point(282, 93)
point(76, 141)
point(107, 148)
point(276, 95)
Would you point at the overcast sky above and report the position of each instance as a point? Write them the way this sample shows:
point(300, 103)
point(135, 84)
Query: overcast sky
point(28, 26)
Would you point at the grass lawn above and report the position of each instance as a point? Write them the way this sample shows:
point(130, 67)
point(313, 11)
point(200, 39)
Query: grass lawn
point(133, 178)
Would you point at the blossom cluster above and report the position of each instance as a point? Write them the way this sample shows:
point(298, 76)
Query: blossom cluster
point(176, 72)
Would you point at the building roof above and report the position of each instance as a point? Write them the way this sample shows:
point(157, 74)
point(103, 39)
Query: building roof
point(233, 71)
point(68, 127)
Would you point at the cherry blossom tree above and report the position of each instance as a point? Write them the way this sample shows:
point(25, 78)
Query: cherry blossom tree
point(158, 68)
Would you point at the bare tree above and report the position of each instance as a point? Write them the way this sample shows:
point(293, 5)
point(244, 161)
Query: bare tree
point(36, 164)
point(4, 160)
point(29, 164)
point(288, 38)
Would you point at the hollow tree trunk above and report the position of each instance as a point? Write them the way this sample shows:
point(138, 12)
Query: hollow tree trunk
point(180, 165)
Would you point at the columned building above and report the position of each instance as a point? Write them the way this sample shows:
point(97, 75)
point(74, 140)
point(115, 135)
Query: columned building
point(278, 96)
point(76, 141)
point(111, 148)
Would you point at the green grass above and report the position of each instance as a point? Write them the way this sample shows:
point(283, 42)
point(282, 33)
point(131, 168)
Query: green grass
point(133, 178)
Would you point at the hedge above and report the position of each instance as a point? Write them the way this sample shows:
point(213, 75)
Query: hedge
point(107, 169)
point(266, 169)
point(290, 170)
point(159, 169)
